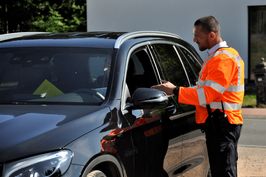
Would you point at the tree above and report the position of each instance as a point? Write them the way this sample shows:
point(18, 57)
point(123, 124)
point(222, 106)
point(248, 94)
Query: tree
point(55, 17)
point(14, 15)
point(42, 15)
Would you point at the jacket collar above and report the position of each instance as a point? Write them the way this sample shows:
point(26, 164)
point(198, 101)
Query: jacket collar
point(216, 47)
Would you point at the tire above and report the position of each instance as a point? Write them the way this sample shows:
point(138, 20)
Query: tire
point(96, 173)
point(99, 163)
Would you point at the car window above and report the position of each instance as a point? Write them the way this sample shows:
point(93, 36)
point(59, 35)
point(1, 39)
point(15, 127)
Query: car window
point(99, 68)
point(140, 71)
point(54, 75)
point(190, 62)
point(171, 69)
point(169, 64)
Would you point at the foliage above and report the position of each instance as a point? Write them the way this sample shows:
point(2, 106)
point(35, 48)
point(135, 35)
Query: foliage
point(249, 100)
point(42, 15)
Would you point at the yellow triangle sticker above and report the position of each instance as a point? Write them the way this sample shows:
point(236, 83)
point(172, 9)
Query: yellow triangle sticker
point(47, 89)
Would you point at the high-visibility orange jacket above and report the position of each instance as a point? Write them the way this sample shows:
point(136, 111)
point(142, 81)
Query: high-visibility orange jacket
point(221, 79)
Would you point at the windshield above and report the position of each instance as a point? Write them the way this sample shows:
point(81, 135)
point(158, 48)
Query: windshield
point(54, 75)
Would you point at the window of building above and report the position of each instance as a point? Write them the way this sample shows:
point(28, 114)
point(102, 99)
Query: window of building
point(257, 36)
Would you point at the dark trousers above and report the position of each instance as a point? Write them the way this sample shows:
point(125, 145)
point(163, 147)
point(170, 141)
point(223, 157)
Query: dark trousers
point(221, 139)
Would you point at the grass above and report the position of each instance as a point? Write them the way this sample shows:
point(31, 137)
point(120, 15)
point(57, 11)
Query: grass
point(249, 101)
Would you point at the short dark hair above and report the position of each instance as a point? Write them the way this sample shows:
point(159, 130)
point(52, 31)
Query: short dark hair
point(208, 24)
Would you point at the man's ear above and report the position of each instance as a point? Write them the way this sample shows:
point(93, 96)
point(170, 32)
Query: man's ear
point(212, 35)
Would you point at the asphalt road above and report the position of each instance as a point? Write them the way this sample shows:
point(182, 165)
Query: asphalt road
point(253, 132)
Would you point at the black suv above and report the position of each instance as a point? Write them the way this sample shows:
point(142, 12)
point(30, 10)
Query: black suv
point(81, 105)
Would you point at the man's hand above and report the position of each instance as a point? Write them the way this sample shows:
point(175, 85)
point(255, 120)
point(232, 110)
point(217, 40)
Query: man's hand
point(166, 86)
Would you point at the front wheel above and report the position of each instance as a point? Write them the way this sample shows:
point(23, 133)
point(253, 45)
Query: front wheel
point(96, 173)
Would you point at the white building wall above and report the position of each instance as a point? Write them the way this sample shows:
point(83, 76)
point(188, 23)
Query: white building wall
point(176, 16)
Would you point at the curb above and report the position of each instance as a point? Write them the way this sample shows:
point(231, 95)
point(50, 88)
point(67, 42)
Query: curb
point(254, 112)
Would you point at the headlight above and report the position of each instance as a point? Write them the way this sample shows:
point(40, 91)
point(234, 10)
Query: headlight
point(51, 164)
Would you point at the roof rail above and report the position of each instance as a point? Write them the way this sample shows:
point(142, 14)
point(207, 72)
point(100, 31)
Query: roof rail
point(131, 35)
point(17, 34)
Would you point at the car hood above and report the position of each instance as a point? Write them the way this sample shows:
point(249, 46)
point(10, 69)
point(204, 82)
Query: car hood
point(31, 129)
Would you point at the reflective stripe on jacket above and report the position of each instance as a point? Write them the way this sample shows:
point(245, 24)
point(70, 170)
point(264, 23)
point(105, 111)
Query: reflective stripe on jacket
point(221, 79)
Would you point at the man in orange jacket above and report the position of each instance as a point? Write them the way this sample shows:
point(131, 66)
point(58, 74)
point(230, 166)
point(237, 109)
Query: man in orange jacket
point(218, 97)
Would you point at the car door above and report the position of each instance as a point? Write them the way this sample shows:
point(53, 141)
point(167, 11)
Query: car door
point(146, 125)
point(184, 136)
point(194, 146)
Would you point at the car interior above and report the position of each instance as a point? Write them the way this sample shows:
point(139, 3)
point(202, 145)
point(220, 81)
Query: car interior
point(53, 78)
point(140, 71)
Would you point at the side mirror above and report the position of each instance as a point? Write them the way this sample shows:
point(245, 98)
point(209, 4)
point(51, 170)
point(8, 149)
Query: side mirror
point(149, 98)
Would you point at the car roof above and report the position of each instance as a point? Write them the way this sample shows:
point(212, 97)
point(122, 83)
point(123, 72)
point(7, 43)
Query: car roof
point(99, 39)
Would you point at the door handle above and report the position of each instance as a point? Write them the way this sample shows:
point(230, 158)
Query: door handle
point(171, 109)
